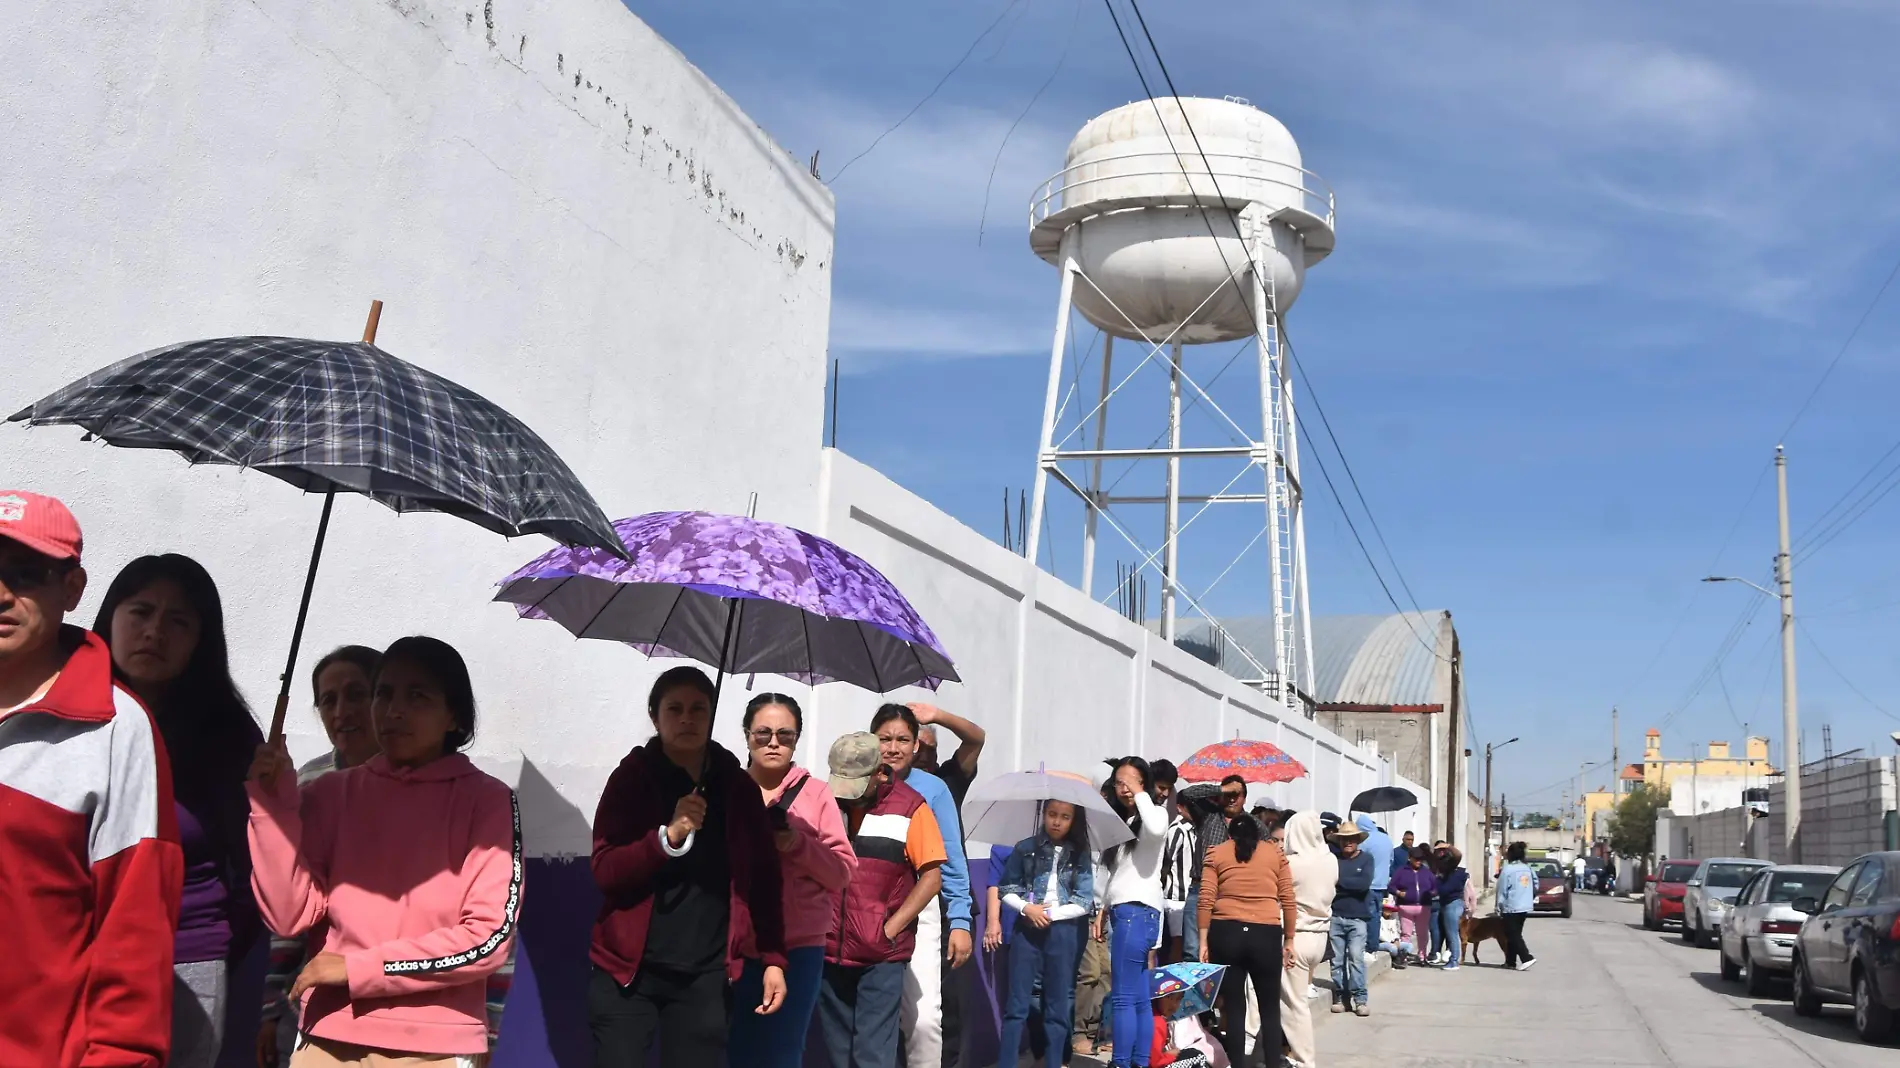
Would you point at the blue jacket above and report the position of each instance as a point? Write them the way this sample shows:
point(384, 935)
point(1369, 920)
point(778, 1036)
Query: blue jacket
point(956, 870)
point(1379, 845)
point(1452, 887)
point(1517, 888)
point(1026, 873)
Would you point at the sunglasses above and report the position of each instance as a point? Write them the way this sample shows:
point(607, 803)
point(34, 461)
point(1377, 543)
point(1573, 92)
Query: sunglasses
point(23, 575)
point(763, 737)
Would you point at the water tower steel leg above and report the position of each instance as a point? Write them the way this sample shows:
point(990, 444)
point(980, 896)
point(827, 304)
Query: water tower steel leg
point(1033, 536)
point(1095, 469)
point(1170, 544)
point(1303, 608)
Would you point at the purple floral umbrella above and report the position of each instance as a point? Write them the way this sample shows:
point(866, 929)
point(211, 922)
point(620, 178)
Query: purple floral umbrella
point(741, 594)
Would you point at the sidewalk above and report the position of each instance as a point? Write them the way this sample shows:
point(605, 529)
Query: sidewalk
point(1377, 965)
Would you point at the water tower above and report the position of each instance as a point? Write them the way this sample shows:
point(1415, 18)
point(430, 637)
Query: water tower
point(1182, 223)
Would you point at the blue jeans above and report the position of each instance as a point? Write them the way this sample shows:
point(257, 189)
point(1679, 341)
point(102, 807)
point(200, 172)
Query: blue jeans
point(1434, 934)
point(1349, 961)
point(1191, 926)
point(1052, 955)
point(778, 1040)
point(1136, 928)
point(857, 1014)
point(1452, 914)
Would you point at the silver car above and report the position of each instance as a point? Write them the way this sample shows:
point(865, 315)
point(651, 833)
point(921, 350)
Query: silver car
point(1759, 932)
point(1705, 901)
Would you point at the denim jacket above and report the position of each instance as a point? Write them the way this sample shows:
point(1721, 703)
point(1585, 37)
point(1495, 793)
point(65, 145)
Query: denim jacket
point(1517, 888)
point(1026, 872)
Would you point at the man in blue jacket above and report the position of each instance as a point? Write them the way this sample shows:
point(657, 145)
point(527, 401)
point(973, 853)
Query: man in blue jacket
point(1378, 846)
point(1354, 909)
point(924, 1010)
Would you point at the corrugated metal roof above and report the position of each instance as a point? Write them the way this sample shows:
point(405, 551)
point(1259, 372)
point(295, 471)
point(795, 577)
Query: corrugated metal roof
point(1359, 660)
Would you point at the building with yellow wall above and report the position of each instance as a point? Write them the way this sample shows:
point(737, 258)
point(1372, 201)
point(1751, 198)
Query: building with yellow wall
point(1706, 782)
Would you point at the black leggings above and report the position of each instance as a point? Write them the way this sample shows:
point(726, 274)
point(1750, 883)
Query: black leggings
point(1514, 948)
point(1254, 951)
point(688, 1012)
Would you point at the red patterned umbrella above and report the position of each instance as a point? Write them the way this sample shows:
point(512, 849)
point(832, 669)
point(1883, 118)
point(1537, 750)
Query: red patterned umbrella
point(1261, 762)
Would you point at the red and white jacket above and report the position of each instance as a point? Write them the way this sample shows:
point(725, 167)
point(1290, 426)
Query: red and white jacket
point(90, 875)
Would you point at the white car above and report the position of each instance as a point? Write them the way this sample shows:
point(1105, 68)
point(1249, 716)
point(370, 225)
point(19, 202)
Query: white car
point(1758, 935)
point(1706, 900)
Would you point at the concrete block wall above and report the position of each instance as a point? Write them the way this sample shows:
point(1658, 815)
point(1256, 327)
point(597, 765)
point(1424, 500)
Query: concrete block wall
point(1843, 812)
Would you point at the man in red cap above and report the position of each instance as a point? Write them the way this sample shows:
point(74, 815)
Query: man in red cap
point(90, 870)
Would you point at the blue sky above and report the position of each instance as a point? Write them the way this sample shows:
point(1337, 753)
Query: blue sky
point(1591, 259)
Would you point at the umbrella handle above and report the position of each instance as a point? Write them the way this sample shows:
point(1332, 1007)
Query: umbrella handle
point(303, 608)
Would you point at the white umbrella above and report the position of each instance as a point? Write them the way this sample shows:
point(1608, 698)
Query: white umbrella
point(1008, 808)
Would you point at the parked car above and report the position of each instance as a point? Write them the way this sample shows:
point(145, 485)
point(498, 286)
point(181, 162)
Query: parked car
point(1662, 898)
point(1757, 941)
point(1553, 887)
point(1849, 948)
point(1709, 893)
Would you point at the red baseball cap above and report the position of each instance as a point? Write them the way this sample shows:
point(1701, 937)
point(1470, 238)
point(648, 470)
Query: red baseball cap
point(40, 523)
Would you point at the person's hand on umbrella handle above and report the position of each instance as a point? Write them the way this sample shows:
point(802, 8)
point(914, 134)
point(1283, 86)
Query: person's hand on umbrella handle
point(269, 763)
point(689, 814)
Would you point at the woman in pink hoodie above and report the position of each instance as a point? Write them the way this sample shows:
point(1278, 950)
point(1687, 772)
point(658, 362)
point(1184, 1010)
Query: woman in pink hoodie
point(815, 863)
point(410, 866)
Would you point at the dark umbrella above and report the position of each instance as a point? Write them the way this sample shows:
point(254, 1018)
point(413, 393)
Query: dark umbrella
point(741, 594)
point(1384, 799)
point(330, 416)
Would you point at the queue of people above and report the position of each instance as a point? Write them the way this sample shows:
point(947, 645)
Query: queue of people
point(743, 900)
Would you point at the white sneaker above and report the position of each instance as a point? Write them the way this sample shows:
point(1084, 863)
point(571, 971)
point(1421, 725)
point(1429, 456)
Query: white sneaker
point(1525, 965)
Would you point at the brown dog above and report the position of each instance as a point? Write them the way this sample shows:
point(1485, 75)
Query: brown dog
point(1475, 929)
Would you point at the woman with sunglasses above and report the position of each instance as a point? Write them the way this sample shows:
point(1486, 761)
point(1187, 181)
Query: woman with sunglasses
point(815, 864)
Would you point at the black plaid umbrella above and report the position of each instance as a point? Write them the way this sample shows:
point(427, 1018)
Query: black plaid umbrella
point(331, 417)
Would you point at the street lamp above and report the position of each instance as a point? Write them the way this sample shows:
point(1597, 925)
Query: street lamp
point(1790, 715)
point(1488, 750)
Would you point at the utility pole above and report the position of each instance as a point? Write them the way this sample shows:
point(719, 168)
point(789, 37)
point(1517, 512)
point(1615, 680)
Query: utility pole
point(1790, 716)
point(1616, 755)
point(1485, 843)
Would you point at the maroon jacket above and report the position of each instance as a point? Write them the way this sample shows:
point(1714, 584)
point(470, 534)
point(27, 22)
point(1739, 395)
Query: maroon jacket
point(627, 857)
point(883, 881)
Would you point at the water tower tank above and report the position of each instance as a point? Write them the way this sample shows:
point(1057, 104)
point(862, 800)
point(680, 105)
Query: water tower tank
point(1130, 204)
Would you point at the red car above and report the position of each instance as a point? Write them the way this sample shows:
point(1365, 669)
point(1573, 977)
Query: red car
point(1553, 887)
point(1662, 898)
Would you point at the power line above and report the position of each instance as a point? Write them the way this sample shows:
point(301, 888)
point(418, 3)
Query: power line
point(983, 217)
point(1207, 220)
point(941, 82)
point(1808, 633)
point(1845, 345)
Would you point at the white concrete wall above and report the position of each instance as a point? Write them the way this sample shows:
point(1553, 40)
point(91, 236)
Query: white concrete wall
point(1056, 679)
point(560, 212)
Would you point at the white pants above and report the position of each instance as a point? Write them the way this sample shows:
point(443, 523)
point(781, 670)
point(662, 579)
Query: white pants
point(1296, 1016)
point(921, 1015)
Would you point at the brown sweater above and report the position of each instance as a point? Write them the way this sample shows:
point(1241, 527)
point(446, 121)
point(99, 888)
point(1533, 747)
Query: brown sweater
point(1259, 891)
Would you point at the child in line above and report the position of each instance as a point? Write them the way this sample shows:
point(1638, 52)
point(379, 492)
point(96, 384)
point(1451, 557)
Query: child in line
point(1049, 882)
point(1182, 1043)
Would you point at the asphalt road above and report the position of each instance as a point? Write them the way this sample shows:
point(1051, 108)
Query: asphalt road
point(1604, 992)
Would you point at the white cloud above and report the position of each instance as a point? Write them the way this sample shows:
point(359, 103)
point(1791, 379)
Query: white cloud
point(886, 331)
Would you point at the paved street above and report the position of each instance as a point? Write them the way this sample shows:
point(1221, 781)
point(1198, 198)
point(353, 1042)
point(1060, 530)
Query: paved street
point(1604, 992)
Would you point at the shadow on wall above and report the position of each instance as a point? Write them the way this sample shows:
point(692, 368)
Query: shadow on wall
point(545, 1023)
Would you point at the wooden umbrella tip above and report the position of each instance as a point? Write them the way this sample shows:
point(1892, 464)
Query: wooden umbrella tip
point(375, 318)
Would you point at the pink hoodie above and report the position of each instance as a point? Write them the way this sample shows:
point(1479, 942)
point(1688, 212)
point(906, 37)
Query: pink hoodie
point(818, 867)
point(414, 876)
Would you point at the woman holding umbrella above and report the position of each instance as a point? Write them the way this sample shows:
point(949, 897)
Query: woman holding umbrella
point(1049, 880)
point(816, 862)
point(685, 857)
point(410, 867)
point(164, 622)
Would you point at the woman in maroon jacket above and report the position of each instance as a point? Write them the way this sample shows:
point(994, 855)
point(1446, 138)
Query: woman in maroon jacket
point(685, 861)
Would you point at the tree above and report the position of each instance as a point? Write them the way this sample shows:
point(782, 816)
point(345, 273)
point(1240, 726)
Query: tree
point(1533, 819)
point(1633, 826)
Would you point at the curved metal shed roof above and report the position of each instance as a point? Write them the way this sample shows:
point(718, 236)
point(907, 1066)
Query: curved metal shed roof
point(1383, 660)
